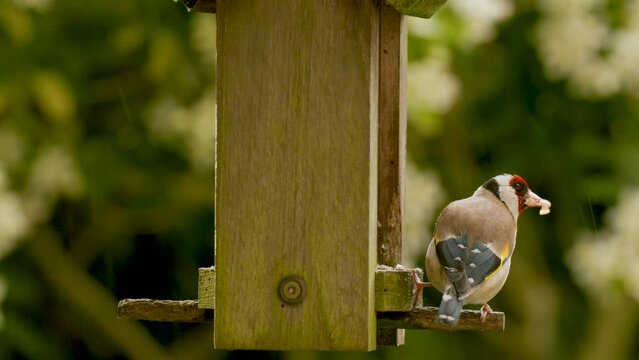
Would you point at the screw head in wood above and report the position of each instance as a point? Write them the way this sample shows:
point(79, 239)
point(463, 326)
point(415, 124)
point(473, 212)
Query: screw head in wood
point(292, 289)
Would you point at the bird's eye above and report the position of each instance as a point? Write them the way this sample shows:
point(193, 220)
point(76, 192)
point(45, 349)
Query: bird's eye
point(519, 187)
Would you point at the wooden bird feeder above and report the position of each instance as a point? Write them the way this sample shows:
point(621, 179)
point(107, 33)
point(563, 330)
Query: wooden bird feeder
point(311, 135)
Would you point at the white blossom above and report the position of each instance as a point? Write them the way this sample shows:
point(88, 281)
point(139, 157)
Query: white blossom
point(54, 173)
point(423, 196)
point(426, 28)
point(624, 55)
point(568, 6)
point(190, 129)
point(481, 17)
point(203, 28)
point(432, 85)
point(433, 88)
point(40, 5)
point(577, 41)
point(201, 138)
point(13, 221)
point(476, 21)
point(595, 79)
point(603, 260)
point(569, 42)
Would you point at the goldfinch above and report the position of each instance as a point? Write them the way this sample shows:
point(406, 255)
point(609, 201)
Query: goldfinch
point(469, 256)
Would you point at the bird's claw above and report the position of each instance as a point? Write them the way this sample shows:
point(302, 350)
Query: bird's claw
point(485, 311)
point(419, 287)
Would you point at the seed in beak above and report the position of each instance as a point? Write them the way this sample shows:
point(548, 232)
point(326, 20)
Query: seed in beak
point(545, 207)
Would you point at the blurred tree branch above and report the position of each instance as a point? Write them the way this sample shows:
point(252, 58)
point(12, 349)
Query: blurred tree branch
point(90, 298)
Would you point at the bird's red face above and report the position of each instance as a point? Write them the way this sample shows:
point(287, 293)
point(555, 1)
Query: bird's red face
point(526, 197)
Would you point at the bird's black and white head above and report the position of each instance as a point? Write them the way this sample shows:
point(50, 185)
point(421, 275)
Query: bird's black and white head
point(513, 190)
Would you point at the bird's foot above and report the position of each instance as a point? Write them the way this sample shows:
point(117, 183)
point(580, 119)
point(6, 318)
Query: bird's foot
point(485, 311)
point(419, 287)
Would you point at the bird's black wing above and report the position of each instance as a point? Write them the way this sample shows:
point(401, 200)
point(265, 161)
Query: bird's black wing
point(466, 267)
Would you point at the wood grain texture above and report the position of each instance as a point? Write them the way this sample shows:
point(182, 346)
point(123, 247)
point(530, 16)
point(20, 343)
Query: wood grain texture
point(206, 288)
point(418, 8)
point(425, 318)
point(163, 310)
point(296, 173)
point(392, 136)
point(392, 147)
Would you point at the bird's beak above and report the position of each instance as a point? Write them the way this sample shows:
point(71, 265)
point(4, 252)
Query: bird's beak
point(533, 200)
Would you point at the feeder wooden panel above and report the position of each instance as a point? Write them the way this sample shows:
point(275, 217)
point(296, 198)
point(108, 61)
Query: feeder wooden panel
point(311, 103)
point(296, 191)
point(392, 147)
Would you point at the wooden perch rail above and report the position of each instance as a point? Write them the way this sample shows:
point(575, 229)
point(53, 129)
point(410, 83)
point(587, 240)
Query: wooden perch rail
point(418, 318)
point(425, 318)
point(163, 310)
point(394, 298)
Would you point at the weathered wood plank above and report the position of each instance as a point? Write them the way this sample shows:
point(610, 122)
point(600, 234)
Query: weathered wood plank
point(296, 173)
point(425, 318)
point(395, 289)
point(208, 6)
point(206, 288)
point(419, 318)
point(392, 147)
point(418, 8)
point(163, 310)
point(392, 135)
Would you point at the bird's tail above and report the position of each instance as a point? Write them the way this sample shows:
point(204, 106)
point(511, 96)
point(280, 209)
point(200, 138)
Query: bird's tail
point(450, 307)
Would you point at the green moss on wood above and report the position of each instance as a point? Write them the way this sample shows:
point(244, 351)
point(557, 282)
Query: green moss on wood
point(206, 288)
point(418, 8)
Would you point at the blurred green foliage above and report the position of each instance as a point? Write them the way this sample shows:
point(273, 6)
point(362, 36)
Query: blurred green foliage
point(106, 173)
point(94, 97)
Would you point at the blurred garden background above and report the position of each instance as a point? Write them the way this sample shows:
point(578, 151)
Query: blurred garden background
point(106, 172)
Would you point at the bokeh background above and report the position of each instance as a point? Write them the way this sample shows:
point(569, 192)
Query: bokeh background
point(106, 172)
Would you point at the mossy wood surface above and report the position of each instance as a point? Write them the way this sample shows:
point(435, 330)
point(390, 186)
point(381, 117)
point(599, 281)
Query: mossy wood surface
point(296, 186)
point(418, 8)
point(395, 289)
point(206, 288)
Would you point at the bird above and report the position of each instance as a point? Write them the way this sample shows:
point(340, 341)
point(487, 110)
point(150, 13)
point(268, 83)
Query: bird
point(469, 256)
